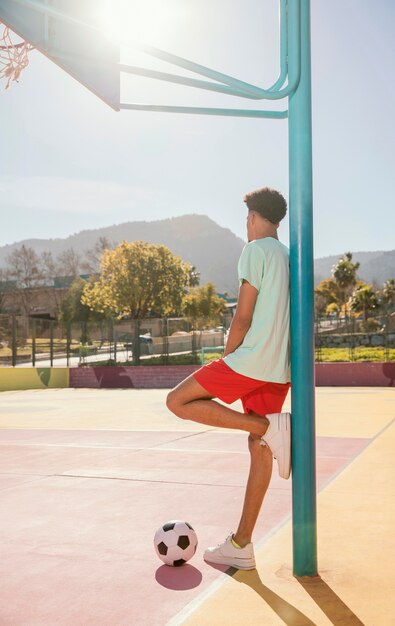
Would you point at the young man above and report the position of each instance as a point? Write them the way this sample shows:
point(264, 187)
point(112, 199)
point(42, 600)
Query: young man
point(255, 369)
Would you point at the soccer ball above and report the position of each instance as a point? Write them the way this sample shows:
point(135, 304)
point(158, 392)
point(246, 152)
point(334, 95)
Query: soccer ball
point(175, 542)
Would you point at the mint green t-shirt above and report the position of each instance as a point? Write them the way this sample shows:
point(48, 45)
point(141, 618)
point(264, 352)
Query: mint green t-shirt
point(264, 353)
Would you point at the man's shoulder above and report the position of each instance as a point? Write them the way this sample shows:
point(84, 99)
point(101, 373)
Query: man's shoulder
point(270, 243)
point(252, 253)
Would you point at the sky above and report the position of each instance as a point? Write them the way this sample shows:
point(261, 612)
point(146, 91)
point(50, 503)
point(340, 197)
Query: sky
point(70, 163)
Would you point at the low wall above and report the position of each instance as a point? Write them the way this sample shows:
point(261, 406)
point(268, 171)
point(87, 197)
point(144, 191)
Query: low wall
point(374, 340)
point(13, 379)
point(355, 374)
point(167, 376)
point(129, 377)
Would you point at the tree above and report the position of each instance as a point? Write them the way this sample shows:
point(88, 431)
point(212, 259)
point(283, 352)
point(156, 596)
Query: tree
point(91, 264)
point(137, 279)
point(327, 292)
point(51, 271)
point(364, 300)
point(24, 268)
point(5, 287)
point(69, 262)
point(388, 294)
point(48, 265)
point(345, 275)
point(332, 308)
point(204, 306)
point(71, 307)
point(194, 277)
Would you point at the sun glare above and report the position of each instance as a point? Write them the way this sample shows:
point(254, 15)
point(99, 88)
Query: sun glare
point(140, 20)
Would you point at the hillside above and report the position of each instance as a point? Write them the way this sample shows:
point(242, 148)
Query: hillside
point(374, 267)
point(197, 239)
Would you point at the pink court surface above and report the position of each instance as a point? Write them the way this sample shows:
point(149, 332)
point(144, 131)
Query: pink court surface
point(87, 476)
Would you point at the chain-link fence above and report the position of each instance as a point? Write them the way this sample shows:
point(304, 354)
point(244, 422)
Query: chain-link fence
point(49, 343)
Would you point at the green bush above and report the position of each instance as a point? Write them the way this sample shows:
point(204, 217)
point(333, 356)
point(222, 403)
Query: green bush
point(371, 325)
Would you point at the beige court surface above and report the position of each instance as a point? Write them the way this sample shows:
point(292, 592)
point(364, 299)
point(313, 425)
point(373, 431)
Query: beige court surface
point(356, 508)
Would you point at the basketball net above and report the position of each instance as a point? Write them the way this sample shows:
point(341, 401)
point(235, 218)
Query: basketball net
point(13, 57)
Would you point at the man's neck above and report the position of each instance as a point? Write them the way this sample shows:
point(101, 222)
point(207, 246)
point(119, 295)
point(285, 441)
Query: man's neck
point(267, 233)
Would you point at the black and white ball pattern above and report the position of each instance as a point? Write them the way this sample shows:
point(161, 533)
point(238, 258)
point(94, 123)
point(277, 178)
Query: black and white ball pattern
point(175, 542)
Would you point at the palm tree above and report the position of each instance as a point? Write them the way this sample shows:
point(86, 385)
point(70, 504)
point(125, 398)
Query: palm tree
point(364, 300)
point(345, 275)
point(388, 293)
point(194, 277)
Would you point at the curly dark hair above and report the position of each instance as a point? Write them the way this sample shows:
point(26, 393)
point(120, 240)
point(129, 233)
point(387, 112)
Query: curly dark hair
point(269, 203)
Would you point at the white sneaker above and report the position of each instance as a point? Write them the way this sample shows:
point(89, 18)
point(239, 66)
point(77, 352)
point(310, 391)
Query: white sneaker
point(226, 554)
point(278, 439)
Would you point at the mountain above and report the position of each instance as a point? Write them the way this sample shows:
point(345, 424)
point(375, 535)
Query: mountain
point(197, 239)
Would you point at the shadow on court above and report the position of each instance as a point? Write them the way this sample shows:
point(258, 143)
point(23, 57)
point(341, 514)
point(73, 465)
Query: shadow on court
point(285, 611)
point(329, 602)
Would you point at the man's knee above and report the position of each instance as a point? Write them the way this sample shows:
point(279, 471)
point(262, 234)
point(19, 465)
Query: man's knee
point(254, 444)
point(173, 403)
point(253, 439)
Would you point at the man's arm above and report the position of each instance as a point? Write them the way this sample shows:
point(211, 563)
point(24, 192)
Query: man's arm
point(242, 317)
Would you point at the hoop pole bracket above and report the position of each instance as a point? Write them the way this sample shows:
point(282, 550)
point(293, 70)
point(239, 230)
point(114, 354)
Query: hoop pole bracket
point(184, 80)
point(159, 108)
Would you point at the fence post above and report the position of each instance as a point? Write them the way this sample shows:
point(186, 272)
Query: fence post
point(136, 342)
point(165, 337)
point(114, 338)
point(51, 323)
point(387, 350)
point(13, 345)
point(110, 333)
point(193, 338)
point(33, 342)
point(68, 342)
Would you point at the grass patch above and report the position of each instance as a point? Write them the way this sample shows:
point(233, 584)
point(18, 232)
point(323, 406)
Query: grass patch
point(211, 356)
point(361, 353)
point(325, 355)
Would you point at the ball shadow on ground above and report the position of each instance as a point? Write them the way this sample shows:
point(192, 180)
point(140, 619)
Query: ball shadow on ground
point(178, 578)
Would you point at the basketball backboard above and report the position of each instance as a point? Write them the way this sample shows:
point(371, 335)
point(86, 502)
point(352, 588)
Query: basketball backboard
point(70, 33)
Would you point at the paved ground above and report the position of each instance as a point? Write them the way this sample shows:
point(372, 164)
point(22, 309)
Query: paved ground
point(86, 477)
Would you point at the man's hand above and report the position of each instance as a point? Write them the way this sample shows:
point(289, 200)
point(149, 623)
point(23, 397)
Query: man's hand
point(242, 317)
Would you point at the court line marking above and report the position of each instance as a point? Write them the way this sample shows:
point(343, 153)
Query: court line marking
point(144, 480)
point(93, 447)
point(163, 449)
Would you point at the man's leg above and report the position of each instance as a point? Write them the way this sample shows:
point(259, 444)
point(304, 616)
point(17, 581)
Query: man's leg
point(189, 400)
point(261, 464)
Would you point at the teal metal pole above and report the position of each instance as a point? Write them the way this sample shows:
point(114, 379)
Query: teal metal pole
point(302, 312)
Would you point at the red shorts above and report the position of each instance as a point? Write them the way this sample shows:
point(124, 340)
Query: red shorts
point(257, 396)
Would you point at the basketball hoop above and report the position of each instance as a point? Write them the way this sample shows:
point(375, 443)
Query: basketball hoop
point(13, 57)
